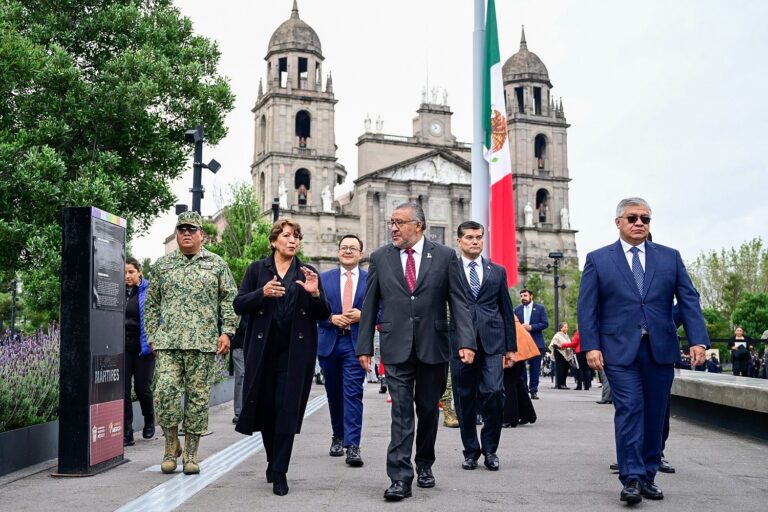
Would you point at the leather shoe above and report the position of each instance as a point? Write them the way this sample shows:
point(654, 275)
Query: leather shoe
point(666, 467)
point(534, 395)
point(337, 447)
point(148, 432)
point(651, 491)
point(425, 479)
point(491, 461)
point(508, 425)
point(353, 456)
point(631, 492)
point(614, 466)
point(469, 463)
point(602, 402)
point(397, 491)
point(279, 484)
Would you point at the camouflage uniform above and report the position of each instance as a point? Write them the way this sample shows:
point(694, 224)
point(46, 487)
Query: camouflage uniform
point(181, 319)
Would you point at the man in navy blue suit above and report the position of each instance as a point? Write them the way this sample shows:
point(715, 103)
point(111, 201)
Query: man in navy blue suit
point(479, 387)
point(533, 318)
point(337, 337)
point(627, 329)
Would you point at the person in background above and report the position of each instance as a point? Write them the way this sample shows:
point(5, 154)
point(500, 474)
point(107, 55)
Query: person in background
point(740, 346)
point(583, 371)
point(713, 365)
point(238, 363)
point(139, 360)
point(533, 317)
point(559, 346)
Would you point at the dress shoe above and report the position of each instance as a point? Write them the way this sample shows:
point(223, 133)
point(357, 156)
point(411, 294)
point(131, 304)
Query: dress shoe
point(353, 456)
point(491, 461)
point(469, 463)
point(425, 479)
point(534, 395)
point(148, 432)
point(603, 402)
point(508, 425)
point(337, 447)
point(235, 418)
point(614, 466)
point(279, 484)
point(397, 491)
point(577, 388)
point(563, 387)
point(128, 439)
point(631, 492)
point(666, 467)
point(651, 491)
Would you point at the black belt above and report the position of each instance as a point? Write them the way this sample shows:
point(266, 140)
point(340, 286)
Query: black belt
point(343, 332)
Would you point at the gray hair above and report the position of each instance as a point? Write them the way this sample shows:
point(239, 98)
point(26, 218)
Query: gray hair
point(631, 201)
point(418, 213)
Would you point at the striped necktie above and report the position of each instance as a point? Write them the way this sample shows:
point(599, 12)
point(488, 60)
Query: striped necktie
point(474, 279)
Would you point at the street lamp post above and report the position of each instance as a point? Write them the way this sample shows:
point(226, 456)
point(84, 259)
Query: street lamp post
point(556, 256)
point(196, 136)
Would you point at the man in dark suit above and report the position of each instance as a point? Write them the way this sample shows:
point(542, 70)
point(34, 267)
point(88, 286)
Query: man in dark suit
point(479, 387)
point(533, 318)
point(625, 319)
point(412, 281)
point(344, 378)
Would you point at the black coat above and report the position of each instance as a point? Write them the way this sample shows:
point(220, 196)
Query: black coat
point(250, 302)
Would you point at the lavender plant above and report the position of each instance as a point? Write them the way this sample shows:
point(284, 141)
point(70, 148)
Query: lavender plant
point(29, 380)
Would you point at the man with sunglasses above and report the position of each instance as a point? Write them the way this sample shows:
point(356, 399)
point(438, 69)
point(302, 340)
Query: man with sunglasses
point(192, 290)
point(627, 330)
point(344, 377)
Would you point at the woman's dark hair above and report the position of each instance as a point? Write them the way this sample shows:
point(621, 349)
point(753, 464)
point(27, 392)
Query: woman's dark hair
point(278, 226)
point(130, 260)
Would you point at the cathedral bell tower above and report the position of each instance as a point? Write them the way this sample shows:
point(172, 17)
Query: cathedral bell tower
point(294, 147)
point(539, 148)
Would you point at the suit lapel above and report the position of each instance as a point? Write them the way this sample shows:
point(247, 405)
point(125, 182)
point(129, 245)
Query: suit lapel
point(486, 275)
point(650, 266)
point(332, 292)
point(396, 267)
point(621, 262)
point(362, 277)
point(426, 263)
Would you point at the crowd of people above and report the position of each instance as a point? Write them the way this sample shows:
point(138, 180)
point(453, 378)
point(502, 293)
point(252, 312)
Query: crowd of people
point(442, 327)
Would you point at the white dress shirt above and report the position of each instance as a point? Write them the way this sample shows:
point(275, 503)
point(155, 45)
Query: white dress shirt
point(527, 310)
point(343, 281)
point(479, 268)
point(628, 254)
point(418, 250)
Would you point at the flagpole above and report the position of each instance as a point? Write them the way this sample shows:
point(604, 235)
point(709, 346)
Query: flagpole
point(480, 179)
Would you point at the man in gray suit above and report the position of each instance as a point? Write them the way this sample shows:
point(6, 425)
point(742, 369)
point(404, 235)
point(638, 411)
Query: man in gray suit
point(412, 281)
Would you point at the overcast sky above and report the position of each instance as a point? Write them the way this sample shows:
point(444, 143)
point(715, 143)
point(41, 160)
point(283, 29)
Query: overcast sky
point(666, 100)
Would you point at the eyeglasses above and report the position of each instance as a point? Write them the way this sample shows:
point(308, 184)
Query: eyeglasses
point(399, 223)
point(187, 229)
point(348, 248)
point(633, 218)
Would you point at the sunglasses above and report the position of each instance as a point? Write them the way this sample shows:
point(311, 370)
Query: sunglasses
point(633, 218)
point(187, 229)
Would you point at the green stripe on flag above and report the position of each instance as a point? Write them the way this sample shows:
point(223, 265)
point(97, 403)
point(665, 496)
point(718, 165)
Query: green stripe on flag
point(491, 58)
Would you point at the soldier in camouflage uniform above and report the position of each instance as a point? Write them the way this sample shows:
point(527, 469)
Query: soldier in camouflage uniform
point(191, 287)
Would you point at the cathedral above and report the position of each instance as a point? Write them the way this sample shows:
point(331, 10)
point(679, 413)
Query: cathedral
point(295, 157)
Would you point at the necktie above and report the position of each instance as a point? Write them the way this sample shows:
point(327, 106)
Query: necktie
point(346, 298)
point(527, 314)
point(639, 273)
point(474, 279)
point(410, 269)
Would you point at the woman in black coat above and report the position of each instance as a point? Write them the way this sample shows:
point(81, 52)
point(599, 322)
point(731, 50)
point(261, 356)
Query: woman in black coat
point(283, 301)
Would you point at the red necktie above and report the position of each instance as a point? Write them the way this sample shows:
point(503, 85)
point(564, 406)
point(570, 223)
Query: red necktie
point(410, 269)
point(346, 299)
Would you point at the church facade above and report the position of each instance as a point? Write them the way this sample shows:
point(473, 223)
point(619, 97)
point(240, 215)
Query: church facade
point(295, 157)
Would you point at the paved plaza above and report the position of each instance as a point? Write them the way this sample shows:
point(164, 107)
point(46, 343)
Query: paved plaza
point(560, 463)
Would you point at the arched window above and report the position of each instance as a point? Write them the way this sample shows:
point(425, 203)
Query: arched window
point(303, 124)
point(540, 150)
point(262, 137)
point(301, 182)
point(542, 204)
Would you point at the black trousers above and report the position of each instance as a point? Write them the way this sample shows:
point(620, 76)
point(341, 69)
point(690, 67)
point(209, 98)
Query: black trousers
point(584, 373)
point(561, 369)
point(413, 382)
point(277, 446)
point(518, 407)
point(140, 369)
point(741, 367)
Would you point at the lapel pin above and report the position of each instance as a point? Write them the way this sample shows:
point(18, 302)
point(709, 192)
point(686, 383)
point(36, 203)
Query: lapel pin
point(429, 255)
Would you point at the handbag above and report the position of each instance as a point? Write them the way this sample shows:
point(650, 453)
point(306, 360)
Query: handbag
point(526, 347)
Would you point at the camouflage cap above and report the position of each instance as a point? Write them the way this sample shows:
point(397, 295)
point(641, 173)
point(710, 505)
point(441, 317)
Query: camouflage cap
point(189, 219)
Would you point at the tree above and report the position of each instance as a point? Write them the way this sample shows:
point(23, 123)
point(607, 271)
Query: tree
point(717, 324)
point(96, 95)
point(752, 314)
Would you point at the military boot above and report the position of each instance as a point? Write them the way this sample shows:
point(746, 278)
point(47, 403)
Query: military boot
point(449, 415)
point(191, 443)
point(172, 449)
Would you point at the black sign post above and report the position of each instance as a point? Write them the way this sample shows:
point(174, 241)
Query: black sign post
point(92, 342)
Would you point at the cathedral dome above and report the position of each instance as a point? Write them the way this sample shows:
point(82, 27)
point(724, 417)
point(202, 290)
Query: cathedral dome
point(294, 34)
point(525, 65)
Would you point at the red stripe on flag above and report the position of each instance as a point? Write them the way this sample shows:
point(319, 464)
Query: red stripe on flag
point(503, 229)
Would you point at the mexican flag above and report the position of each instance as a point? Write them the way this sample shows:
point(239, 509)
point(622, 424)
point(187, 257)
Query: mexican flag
point(502, 229)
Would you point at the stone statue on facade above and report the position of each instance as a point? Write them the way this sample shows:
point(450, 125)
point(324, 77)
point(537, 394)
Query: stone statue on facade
point(327, 200)
point(528, 215)
point(423, 95)
point(565, 221)
point(367, 123)
point(379, 124)
point(434, 91)
point(282, 193)
point(445, 97)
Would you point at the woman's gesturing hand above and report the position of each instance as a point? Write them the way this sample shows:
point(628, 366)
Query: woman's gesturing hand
point(311, 284)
